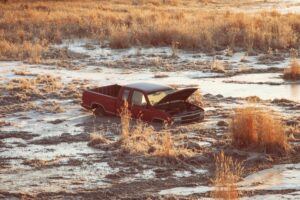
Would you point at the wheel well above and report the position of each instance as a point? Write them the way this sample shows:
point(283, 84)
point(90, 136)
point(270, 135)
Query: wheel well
point(160, 121)
point(97, 106)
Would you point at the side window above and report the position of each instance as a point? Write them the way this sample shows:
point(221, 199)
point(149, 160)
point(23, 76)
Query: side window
point(138, 99)
point(125, 95)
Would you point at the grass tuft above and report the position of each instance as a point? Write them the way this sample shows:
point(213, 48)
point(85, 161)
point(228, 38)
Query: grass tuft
point(143, 139)
point(125, 115)
point(258, 129)
point(96, 139)
point(196, 98)
point(217, 66)
point(293, 71)
point(227, 174)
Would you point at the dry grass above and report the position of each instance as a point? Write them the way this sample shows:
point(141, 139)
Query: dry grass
point(51, 106)
point(227, 174)
point(125, 115)
point(197, 99)
point(22, 73)
point(24, 88)
point(293, 71)
point(28, 27)
point(4, 123)
point(143, 139)
point(217, 66)
point(258, 129)
point(96, 138)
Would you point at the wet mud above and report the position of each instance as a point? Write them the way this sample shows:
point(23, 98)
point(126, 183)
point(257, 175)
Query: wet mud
point(45, 148)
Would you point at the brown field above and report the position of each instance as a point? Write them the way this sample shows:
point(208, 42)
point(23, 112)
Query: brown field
point(28, 27)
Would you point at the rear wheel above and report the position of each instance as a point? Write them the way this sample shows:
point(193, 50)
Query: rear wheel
point(99, 111)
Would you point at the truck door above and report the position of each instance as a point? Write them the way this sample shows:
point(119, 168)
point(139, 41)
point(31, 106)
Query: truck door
point(139, 106)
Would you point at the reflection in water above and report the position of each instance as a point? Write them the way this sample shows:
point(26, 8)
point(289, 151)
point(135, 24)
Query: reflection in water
point(295, 91)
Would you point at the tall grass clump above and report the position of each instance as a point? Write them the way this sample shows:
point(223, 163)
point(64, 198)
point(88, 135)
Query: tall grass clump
point(227, 174)
point(141, 138)
point(125, 115)
point(258, 129)
point(293, 71)
point(165, 148)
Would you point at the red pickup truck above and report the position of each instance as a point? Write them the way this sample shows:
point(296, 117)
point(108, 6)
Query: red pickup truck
point(148, 101)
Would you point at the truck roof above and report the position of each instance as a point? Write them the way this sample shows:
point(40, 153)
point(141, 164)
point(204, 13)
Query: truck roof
point(148, 87)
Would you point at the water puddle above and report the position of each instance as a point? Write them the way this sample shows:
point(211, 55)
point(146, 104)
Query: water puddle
point(58, 179)
point(48, 124)
point(185, 191)
point(225, 87)
point(288, 196)
point(281, 6)
point(279, 177)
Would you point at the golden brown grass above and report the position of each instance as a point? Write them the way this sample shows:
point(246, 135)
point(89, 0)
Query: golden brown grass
point(28, 27)
point(24, 89)
point(96, 138)
point(227, 174)
point(51, 106)
point(293, 71)
point(141, 138)
point(217, 66)
point(258, 129)
point(196, 98)
point(125, 115)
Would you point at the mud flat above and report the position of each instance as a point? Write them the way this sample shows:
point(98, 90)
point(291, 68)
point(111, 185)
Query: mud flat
point(44, 151)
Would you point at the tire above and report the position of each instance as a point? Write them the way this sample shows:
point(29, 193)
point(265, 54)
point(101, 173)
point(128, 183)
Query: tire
point(99, 111)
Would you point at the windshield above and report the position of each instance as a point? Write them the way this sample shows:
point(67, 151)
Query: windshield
point(155, 97)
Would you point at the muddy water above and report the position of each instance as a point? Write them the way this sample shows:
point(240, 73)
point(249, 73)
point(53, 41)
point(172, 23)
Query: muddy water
point(279, 177)
point(265, 85)
point(73, 166)
point(281, 6)
point(160, 54)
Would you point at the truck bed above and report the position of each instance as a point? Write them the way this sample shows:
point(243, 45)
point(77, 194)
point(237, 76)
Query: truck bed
point(111, 90)
point(105, 97)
